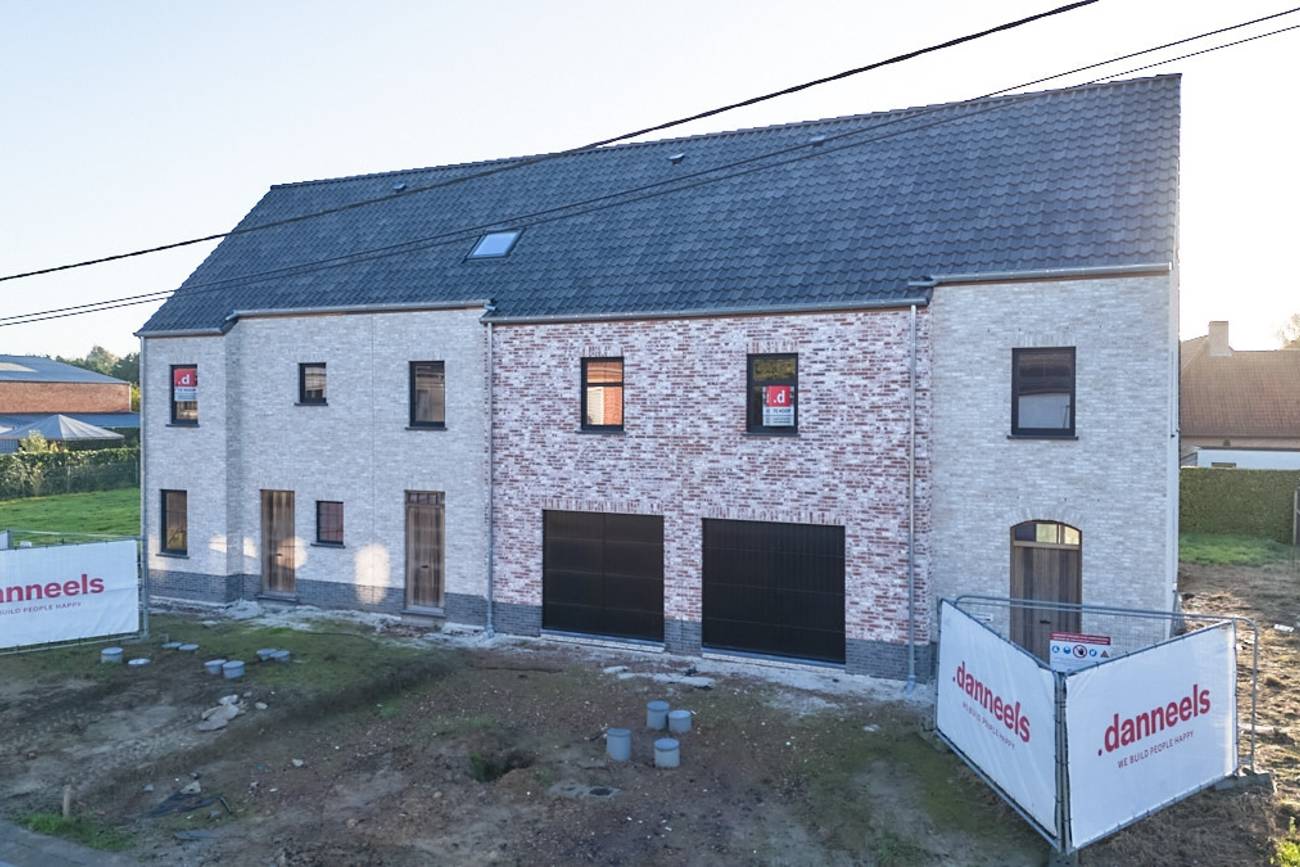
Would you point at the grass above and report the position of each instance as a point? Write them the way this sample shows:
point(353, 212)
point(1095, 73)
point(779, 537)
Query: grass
point(1213, 550)
point(79, 829)
point(114, 512)
point(1287, 849)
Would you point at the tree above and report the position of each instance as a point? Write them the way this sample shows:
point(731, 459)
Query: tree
point(127, 367)
point(34, 442)
point(1289, 333)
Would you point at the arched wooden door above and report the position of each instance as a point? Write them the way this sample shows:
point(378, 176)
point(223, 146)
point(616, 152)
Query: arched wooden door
point(1046, 565)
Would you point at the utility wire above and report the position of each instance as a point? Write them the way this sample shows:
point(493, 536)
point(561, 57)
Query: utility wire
point(511, 165)
point(567, 211)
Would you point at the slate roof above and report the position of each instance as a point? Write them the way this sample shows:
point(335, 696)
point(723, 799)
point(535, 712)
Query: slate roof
point(35, 368)
point(1245, 394)
point(1078, 177)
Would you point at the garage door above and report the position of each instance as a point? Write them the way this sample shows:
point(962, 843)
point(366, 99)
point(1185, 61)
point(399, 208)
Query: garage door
point(603, 574)
point(774, 588)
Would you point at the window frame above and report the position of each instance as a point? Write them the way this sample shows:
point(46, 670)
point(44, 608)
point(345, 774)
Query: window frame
point(1038, 432)
point(331, 543)
point(303, 400)
point(412, 423)
point(472, 256)
point(582, 394)
point(171, 386)
point(162, 523)
point(758, 427)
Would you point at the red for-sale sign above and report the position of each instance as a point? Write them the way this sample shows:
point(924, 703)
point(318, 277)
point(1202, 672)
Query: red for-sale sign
point(185, 383)
point(778, 405)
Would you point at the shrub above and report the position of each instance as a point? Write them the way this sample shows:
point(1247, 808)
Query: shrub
point(1240, 502)
point(35, 474)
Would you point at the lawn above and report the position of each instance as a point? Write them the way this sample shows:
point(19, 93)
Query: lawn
point(1207, 549)
point(114, 512)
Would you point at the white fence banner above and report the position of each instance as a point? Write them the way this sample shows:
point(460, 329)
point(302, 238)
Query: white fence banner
point(68, 592)
point(997, 705)
point(1146, 729)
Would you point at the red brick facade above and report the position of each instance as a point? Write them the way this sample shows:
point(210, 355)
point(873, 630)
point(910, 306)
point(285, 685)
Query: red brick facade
point(685, 453)
point(65, 397)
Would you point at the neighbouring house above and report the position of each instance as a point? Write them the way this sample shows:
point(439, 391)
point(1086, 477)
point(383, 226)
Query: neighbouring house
point(767, 392)
point(1238, 409)
point(33, 388)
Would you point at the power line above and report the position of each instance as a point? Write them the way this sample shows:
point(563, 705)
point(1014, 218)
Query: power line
point(566, 211)
point(510, 165)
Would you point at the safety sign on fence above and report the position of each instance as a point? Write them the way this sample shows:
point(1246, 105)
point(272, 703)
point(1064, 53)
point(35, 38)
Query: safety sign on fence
point(1084, 748)
point(68, 592)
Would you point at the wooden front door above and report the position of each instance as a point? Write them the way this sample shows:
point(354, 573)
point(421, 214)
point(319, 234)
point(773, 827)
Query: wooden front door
point(424, 548)
point(278, 563)
point(1046, 561)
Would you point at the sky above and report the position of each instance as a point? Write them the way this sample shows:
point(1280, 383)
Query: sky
point(130, 124)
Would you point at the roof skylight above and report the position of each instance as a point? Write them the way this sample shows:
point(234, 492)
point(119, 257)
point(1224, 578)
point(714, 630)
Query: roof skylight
point(494, 245)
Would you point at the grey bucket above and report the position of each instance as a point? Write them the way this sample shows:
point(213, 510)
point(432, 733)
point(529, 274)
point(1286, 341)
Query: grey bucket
point(188, 648)
point(618, 744)
point(138, 662)
point(656, 715)
point(111, 655)
point(232, 670)
point(265, 654)
point(668, 753)
point(213, 666)
point(679, 721)
point(280, 656)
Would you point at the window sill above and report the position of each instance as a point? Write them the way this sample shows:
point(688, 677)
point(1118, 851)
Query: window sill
point(311, 403)
point(1049, 437)
point(182, 424)
point(426, 427)
point(326, 545)
point(173, 555)
point(772, 433)
point(601, 430)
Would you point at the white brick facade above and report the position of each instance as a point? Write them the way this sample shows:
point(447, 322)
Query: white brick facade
point(1116, 483)
point(356, 449)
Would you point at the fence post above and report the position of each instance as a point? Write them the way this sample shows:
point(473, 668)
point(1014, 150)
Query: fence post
point(1062, 769)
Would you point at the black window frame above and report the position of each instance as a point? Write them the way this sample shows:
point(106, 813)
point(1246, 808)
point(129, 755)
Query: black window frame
point(412, 422)
point(751, 395)
point(171, 382)
point(331, 543)
point(622, 391)
point(1039, 432)
point(303, 399)
point(163, 547)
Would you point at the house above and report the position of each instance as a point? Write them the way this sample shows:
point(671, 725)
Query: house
point(771, 391)
point(33, 387)
point(1238, 409)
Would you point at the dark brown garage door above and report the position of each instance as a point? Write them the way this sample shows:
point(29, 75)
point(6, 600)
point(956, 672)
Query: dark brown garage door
point(774, 588)
point(603, 574)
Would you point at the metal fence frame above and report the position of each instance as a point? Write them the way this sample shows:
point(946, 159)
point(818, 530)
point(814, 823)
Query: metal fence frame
point(1175, 620)
point(142, 600)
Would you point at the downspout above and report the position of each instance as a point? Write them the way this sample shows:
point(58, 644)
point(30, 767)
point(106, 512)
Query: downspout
point(490, 625)
point(911, 511)
point(144, 499)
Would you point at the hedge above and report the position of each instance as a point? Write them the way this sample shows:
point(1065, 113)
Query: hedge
point(1241, 502)
point(39, 474)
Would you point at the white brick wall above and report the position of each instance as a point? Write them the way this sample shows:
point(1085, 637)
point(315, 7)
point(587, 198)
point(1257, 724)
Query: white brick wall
point(1117, 482)
point(356, 449)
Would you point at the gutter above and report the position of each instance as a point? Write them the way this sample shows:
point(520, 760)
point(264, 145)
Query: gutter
point(1031, 275)
point(920, 297)
point(346, 309)
point(490, 625)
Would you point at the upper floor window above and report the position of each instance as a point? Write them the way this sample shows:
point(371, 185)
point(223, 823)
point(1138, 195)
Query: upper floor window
point(329, 522)
point(185, 394)
point(311, 382)
point(773, 399)
point(175, 522)
point(602, 394)
point(1042, 392)
point(494, 245)
point(428, 394)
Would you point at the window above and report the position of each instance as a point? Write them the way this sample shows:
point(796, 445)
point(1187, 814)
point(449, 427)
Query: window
point(329, 522)
point(185, 394)
point(773, 387)
point(602, 394)
point(311, 383)
point(1042, 392)
point(1046, 533)
point(494, 245)
point(428, 394)
point(175, 523)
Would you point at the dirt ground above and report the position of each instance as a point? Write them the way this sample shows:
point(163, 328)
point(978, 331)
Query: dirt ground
point(384, 746)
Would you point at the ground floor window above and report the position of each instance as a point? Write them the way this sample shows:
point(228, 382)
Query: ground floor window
point(175, 522)
point(329, 522)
